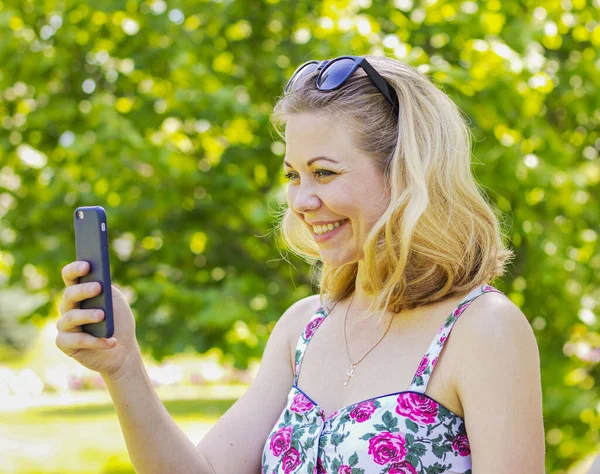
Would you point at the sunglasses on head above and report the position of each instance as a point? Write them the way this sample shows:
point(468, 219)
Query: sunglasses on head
point(335, 72)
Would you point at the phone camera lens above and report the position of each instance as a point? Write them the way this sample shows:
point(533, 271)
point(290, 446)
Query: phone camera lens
point(79, 214)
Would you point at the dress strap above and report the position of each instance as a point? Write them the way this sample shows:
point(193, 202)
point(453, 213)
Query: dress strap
point(312, 326)
point(425, 369)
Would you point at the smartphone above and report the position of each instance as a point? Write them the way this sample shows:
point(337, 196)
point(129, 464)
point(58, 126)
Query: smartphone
point(91, 243)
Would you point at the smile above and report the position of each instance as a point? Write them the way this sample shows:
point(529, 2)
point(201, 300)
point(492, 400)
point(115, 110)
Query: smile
point(323, 229)
point(326, 232)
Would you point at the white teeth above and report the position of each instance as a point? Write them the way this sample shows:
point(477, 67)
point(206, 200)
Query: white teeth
point(323, 229)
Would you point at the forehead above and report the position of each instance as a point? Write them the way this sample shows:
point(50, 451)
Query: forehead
point(311, 135)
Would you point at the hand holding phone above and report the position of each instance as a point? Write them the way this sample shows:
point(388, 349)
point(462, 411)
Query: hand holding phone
point(81, 334)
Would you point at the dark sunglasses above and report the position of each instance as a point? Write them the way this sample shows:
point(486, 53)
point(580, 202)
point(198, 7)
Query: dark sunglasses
point(335, 72)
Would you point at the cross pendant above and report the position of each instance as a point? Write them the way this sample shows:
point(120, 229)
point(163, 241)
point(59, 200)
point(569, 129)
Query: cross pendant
point(350, 374)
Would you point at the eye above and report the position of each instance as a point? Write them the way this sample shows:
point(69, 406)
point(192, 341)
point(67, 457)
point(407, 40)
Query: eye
point(327, 173)
point(322, 174)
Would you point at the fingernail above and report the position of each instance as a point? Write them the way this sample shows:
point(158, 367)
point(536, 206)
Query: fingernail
point(82, 267)
point(91, 287)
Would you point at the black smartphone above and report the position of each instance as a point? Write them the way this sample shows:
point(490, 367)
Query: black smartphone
point(91, 243)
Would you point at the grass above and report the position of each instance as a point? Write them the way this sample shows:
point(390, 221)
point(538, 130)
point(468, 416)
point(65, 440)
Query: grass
point(87, 438)
point(81, 434)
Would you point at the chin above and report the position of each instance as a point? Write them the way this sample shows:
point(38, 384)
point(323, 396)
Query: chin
point(334, 264)
point(340, 261)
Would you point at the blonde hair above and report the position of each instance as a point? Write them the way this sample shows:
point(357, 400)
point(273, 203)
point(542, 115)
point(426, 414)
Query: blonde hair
point(438, 236)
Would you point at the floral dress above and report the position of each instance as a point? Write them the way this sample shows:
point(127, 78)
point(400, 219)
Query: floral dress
point(405, 432)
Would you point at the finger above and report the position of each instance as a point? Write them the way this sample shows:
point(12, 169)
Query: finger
point(76, 293)
point(69, 342)
point(72, 271)
point(76, 317)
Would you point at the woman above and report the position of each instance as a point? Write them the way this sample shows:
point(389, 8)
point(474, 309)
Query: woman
point(380, 193)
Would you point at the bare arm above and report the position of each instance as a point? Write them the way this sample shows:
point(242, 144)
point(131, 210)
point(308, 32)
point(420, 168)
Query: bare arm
point(500, 388)
point(236, 441)
point(157, 445)
point(154, 441)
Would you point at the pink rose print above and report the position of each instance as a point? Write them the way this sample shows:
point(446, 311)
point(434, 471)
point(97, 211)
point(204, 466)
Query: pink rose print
point(345, 469)
point(387, 447)
point(422, 366)
point(312, 327)
point(363, 411)
point(461, 445)
point(320, 469)
point(291, 460)
point(403, 467)
point(443, 339)
point(434, 362)
point(417, 407)
point(301, 404)
point(280, 441)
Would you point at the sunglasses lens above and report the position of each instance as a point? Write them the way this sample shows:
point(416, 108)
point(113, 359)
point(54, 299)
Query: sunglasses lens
point(335, 73)
point(303, 71)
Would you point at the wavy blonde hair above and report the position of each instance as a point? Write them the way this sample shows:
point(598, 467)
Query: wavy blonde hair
point(438, 236)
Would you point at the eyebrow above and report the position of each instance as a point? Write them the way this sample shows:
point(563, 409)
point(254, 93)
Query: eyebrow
point(312, 160)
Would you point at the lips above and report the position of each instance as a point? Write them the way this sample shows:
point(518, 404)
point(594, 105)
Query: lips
point(320, 238)
point(323, 229)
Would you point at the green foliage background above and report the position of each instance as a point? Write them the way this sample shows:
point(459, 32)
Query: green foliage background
point(159, 113)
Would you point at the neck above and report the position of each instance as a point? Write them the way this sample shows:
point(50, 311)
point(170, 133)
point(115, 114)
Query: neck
point(363, 300)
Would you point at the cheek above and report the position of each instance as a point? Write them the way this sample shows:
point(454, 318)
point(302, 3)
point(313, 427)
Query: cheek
point(291, 195)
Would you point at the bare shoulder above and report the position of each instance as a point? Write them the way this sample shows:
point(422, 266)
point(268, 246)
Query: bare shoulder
point(483, 329)
point(295, 319)
point(236, 442)
point(490, 315)
point(491, 321)
point(299, 313)
point(498, 383)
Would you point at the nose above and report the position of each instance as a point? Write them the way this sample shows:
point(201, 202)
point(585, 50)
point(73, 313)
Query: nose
point(304, 199)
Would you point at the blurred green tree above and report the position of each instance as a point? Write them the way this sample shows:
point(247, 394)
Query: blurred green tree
point(159, 113)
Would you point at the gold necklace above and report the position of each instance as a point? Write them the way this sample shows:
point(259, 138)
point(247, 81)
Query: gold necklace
point(353, 365)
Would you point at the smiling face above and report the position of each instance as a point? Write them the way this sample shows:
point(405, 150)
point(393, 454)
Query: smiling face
point(350, 189)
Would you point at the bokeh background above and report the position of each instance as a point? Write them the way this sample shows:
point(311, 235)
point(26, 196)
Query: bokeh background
point(158, 111)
